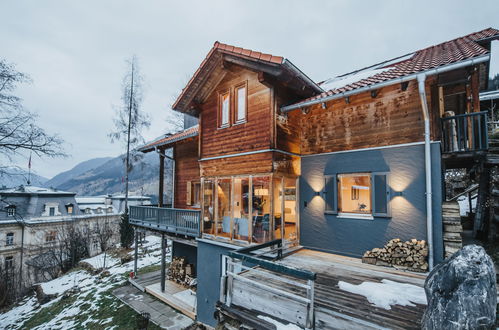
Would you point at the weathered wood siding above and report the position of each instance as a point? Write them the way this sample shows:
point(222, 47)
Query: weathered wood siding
point(392, 117)
point(247, 164)
point(254, 134)
point(186, 169)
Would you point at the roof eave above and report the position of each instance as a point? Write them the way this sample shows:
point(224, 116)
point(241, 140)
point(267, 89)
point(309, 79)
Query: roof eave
point(441, 69)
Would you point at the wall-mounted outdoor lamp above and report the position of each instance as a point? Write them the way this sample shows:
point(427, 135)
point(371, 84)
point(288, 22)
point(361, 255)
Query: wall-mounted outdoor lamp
point(398, 193)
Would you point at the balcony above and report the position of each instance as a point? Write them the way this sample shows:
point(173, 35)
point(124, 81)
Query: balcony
point(175, 221)
point(465, 133)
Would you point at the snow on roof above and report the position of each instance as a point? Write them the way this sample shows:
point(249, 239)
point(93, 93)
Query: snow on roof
point(34, 190)
point(347, 79)
point(90, 200)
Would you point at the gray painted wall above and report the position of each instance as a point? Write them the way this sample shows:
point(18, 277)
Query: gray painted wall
point(184, 250)
point(33, 205)
point(353, 237)
point(209, 272)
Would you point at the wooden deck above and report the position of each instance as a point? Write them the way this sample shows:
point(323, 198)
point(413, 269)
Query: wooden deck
point(150, 283)
point(334, 308)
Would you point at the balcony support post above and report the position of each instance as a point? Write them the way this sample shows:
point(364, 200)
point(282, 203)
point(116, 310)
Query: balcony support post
point(163, 262)
point(161, 179)
point(136, 252)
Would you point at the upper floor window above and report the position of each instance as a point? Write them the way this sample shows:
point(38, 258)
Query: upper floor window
point(241, 103)
point(9, 239)
point(224, 108)
point(9, 263)
point(69, 208)
point(193, 193)
point(52, 211)
point(50, 236)
point(11, 210)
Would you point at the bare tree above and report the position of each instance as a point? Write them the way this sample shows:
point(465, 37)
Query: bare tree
point(129, 122)
point(18, 129)
point(104, 232)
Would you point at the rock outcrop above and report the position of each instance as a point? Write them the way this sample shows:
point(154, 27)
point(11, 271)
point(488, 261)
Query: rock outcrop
point(461, 292)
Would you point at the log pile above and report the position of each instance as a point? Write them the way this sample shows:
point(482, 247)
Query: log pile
point(410, 255)
point(181, 272)
point(451, 219)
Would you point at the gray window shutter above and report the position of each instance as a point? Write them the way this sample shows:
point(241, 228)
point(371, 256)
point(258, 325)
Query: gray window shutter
point(330, 194)
point(380, 194)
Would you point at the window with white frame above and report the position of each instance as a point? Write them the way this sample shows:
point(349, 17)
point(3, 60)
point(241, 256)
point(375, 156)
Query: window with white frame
point(357, 195)
point(9, 239)
point(224, 111)
point(240, 95)
point(11, 210)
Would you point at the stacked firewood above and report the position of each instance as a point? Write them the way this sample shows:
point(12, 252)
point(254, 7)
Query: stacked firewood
point(451, 218)
point(181, 272)
point(410, 255)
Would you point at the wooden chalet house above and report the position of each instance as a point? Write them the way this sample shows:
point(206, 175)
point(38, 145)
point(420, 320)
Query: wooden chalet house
point(277, 163)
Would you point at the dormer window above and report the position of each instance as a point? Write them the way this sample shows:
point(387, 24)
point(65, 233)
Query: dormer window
point(240, 92)
point(11, 210)
point(224, 106)
point(69, 208)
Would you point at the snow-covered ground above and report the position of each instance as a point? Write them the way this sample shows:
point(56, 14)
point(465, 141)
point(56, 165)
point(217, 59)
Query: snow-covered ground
point(89, 290)
point(279, 325)
point(387, 293)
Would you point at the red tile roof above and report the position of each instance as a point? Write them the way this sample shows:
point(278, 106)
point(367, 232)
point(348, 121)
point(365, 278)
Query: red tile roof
point(171, 139)
point(449, 52)
point(228, 49)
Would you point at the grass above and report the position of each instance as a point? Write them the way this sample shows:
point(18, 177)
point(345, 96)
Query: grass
point(150, 268)
point(46, 314)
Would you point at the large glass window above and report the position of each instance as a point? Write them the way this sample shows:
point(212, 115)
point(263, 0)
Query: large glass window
point(354, 193)
point(208, 210)
point(241, 219)
point(278, 216)
point(261, 209)
point(290, 216)
point(223, 207)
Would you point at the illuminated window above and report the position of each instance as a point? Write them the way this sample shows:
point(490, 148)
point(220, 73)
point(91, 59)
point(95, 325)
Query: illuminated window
point(224, 109)
point(69, 208)
point(241, 104)
point(354, 192)
point(208, 211)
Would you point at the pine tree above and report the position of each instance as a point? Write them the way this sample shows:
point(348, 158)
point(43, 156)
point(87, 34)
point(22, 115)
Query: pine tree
point(126, 231)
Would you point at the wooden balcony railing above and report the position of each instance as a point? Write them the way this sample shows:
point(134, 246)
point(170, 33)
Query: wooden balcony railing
point(247, 272)
point(177, 221)
point(465, 133)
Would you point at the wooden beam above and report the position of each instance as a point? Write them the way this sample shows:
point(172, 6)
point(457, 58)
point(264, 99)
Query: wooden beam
point(161, 179)
point(163, 262)
point(441, 105)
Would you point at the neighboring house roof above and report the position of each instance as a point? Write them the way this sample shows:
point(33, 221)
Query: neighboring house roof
point(449, 52)
point(490, 95)
point(276, 66)
point(35, 191)
point(169, 140)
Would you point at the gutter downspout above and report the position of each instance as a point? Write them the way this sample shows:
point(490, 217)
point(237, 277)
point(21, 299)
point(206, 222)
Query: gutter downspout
point(427, 157)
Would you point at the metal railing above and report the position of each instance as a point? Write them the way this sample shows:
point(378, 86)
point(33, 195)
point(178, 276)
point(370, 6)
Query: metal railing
point(463, 133)
point(177, 221)
point(296, 284)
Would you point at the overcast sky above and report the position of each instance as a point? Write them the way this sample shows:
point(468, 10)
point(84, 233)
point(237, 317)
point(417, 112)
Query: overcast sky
point(75, 51)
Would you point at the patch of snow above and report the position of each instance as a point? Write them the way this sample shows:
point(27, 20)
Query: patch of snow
point(61, 284)
point(18, 314)
point(342, 81)
point(186, 296)
point(279, 325)
point(464, 205)
point(387, 293)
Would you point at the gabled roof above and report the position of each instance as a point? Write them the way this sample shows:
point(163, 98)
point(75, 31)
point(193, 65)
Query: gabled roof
point(169, 140)
point(276, 66)
point(449, 52)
